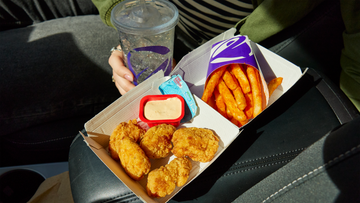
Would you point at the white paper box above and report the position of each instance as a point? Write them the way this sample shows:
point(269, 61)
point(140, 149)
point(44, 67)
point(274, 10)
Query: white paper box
point(193, 69)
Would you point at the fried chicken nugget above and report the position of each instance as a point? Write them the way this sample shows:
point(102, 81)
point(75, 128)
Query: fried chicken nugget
point(156, 142)
point(197, 143)
point(132, 158)
point(180, 170)
point(130, 129)
point(162, 181)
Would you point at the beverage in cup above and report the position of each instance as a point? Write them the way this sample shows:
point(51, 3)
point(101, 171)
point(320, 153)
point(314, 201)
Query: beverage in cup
point(146, 32)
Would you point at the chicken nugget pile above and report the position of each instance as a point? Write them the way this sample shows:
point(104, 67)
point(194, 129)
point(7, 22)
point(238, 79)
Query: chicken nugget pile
point(134, 146)
point(235, 91)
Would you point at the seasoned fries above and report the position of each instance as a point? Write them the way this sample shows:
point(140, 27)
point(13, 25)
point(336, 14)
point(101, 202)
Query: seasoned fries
point(238, 92)
point(273, 84)
point(230, 102)
point(249, 107)
point(255, 89)
point(234, 86)
point(239, 73)
point(212, 102)
point(239, 98)
point(229, 80)
point(213, 81)
point(220, 104)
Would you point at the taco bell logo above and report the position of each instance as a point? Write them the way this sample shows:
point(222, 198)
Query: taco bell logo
point(234, 50)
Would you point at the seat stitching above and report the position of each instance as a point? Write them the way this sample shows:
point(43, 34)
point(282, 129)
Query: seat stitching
point(271, 156)
point(319, 169)
point(130, 196)
point(257, 167)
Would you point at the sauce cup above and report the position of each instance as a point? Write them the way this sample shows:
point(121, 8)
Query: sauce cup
point(159, 109)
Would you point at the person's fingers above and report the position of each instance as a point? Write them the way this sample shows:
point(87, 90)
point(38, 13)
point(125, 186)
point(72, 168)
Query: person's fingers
point(116, 61)
point(122, 76)
point(122, 84)
point(122, 91)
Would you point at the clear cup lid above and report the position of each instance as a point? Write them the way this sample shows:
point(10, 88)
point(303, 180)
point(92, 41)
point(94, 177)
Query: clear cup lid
point(144, 17)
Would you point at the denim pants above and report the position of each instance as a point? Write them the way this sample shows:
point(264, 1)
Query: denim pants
point(54, 75)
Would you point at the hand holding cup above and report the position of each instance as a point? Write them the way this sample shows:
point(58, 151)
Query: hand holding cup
point(122, 76)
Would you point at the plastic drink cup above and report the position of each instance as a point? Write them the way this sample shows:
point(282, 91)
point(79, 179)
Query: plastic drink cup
point(146, 31)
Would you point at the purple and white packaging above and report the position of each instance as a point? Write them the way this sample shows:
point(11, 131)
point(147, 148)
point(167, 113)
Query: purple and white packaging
point(233, 50)
point(236, 50)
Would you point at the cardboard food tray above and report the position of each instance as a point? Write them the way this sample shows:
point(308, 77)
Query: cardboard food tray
point(193, 69)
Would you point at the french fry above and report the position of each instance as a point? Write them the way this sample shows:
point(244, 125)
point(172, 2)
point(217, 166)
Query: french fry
point(242, 123)
point(229, 113)
point(239, 98)
point(229, 80)
point(212, 82)
point(233, 85)
point(234, 121)
point(237, 70)
point(212, 102)
point(249, 109)
point(273, 84)
point(220, 104)
point(255, 89)
point(230, 101)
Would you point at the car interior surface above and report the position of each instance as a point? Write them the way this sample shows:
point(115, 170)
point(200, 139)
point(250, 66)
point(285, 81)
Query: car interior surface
point(300, 128)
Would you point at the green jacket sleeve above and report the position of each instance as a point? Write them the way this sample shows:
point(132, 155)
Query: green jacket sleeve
point(350, 55)
point(271, 16)
point(104, 7)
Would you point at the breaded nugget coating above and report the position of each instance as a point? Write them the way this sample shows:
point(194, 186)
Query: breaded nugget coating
point(156, 142)
point(180, 170)
point(199, 144)
point(162, 181)
point(130, 129)
point(132, 158)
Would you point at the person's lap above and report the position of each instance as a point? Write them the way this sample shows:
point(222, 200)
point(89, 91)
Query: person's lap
point(54, 76)
point(53, 71)
point(21, 13)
